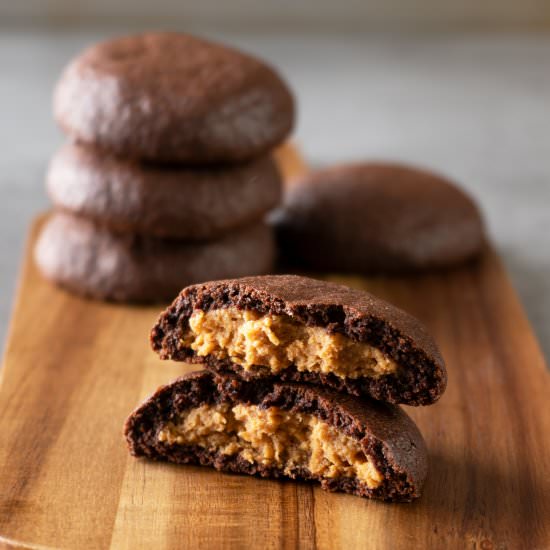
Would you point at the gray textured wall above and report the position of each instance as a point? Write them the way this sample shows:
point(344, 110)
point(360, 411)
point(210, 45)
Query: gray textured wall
point(363, 13)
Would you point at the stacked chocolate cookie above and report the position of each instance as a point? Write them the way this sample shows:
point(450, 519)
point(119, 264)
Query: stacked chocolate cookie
point(304, 380)
point(169, 174)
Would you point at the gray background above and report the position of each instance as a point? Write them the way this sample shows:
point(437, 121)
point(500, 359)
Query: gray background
point(472, 104)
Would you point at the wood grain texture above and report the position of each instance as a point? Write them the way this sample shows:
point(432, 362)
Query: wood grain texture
point(74, 369)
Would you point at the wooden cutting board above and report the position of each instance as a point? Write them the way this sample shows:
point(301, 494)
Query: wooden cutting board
point(74, 369)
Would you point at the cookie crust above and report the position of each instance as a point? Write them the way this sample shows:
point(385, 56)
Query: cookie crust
point(377, 218)
point(387, 434)
point(134, 197)
point(353, 313)
point(173, 98)
point(92, 261)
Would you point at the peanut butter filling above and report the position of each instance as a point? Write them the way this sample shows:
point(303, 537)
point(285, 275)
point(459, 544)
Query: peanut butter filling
point(276, 341)
point(273, 437)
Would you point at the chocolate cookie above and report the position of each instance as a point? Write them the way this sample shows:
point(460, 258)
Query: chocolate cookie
point(198, 203)
point(171, 97)
point(371, 218)
point(90, 260)
point(299, 329)
point(284, 430)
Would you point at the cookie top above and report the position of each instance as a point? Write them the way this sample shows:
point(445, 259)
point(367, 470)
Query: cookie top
point(389, 438)
point(183, 203)
point(89, 260)
point(377, 217)
point(411, 371)
point(171, 97)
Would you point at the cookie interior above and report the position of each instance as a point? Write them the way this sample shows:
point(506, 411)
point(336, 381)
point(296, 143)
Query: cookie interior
point(271, 437)
point(251, 339)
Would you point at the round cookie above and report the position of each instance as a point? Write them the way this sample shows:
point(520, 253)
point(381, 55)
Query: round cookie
point(92, 261)
point(171, 97)
point(185, 203)
point(377, 217)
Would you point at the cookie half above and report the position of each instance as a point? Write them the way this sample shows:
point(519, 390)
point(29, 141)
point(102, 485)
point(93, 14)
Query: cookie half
point(185, 203)
point(282, 430)
point(294, 328)
point(377, 218)
point(171, 97)
point(93, 261)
